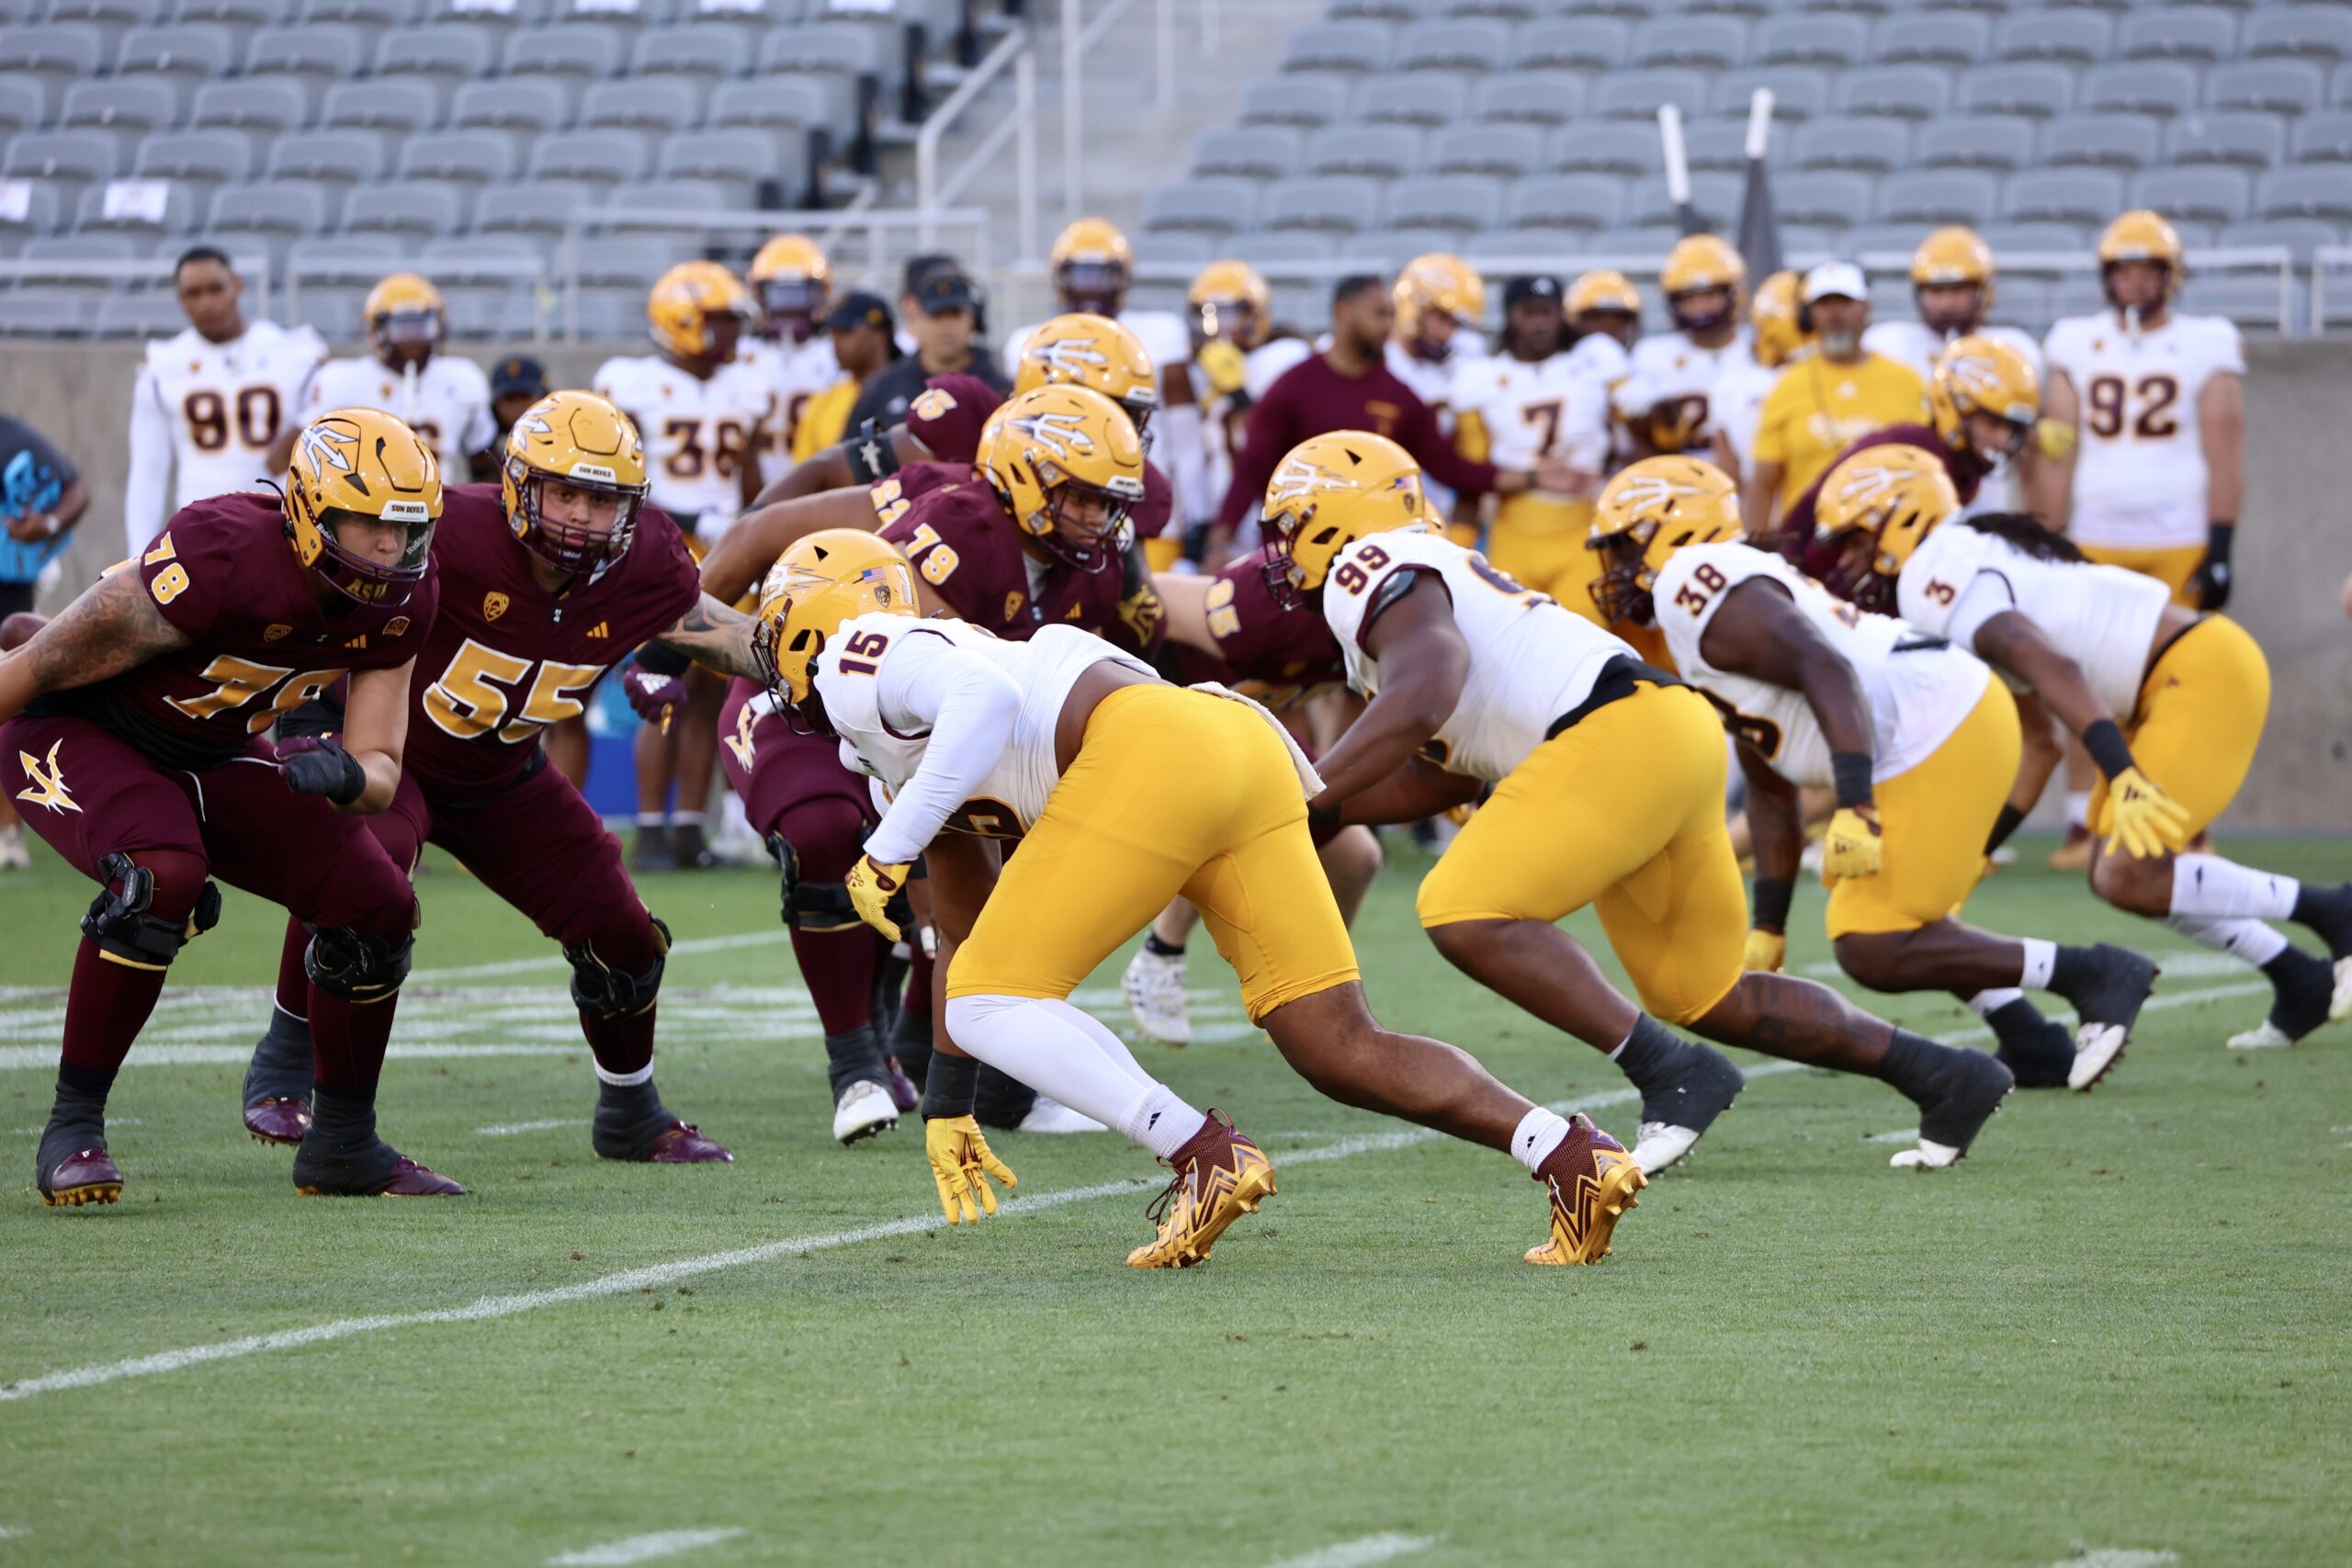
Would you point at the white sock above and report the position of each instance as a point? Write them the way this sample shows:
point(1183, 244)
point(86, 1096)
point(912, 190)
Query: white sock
point(1540, 1132)
point(626, 1080)
point(2040, 958)
point(1161, 1123)
point(685, 819)
point(1052, 1047)
point(2210, 886)
point(650, 818)
point(1984, 1004)
point(2249, 941)
point(2078, 808)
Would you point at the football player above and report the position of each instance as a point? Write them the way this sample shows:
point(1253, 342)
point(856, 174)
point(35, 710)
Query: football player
point(864, 341)
point(942, 424)
point(548, 578)
point(1663, 399)
point(444, 399)
point(699, 412)
point(1606, 302)
point(216, 408)
point(1951, 283)
point(1917, 739)
point(134, 744)
point(792, 284)
point(1065, 742)
point(1778, 333)
point(2168, 701)
point(1440, 299)
point(1232, 326)
point(1609, 780)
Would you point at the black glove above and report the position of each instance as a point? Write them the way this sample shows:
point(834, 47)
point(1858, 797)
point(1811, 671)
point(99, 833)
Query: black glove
point(317, 764)
point(2213, 579)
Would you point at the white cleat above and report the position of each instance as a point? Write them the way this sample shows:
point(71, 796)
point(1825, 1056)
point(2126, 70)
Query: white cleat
point(14, 856)
point(864, 1109)
point(2264, 1036)
point(1154, 987)
point(1928, 1155)
point(2339, 1003)
point(1053, 1116)
point(2098, 1047)
point(1661, 1145)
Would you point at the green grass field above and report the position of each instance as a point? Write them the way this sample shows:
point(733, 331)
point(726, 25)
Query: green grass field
point(2120, 1328)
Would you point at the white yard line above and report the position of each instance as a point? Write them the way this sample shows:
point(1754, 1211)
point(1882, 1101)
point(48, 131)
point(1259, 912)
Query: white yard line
point(1361, 1552)
point(511, 1128)
point(555, 961)
point(2118, 1557)
point(640, 1549)
point(1900, 1135)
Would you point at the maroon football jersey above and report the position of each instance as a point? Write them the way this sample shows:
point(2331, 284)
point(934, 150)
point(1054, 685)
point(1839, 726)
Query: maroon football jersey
point(946, 415)
point(507, 658)
point(261, 640)
point(968, 549)
point(1282, 654)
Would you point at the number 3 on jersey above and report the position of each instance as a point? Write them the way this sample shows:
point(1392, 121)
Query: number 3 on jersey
point(467, 701)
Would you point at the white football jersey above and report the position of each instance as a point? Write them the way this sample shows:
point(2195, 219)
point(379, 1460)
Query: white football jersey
point(1531, 661)
point(1671, 366)
point(887, 741)
point(1916, 344)
point(793, 373)
point(1736, 407)
point(1554, 408)
point(2102, 617)
point(698, 433)
point(204, 414)
point(1919, 687)
point(2140, 472)
point(447, 404)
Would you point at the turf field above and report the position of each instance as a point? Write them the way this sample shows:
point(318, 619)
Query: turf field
point(2119, 1330)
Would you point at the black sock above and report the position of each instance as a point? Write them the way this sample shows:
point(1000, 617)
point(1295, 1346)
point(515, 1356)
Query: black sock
point(2069, 969)
point(911, 1044)
point(82, 1086)
point(2324, 908)
point(950, 1089)
point(2002, 826)
point(1159, 949)
point(1650, 1053)
point(1913, 1064)
point(341, 1117)
point(854, 1055)
point(1002, 1101)
point(628, 1117)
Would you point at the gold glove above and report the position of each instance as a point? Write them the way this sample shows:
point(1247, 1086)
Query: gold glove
point(1851, 848)
point(871, 884)
point(1765, 950)
point(2140, 819)
point(961, 1164)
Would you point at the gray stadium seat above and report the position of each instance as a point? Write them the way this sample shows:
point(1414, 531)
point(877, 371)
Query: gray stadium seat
point(45, 209)
point(1746, 10)
point(1799, 92)
point(704, 52)
point(375, 104)
point(372, 19)
point(2324, 136)
point(527, 206)
point(2101, 141)
point(137, 316)
point(1264, 249)
point(1646, 243)
point(483, 258)
point(2007, 238)
point(24, 104)
point(467, 158)
point(617, 313)
point(2298, 33)
point(1942, 196)
point(1706, 43)
point(122, 110)
point(2339, 87)
point(625, 20)
point(1537, 98)
point(181, 56)
point(658, 104)
point(1425, 98)
point(262, 106)
point(347, 257)
point(1905, 92)
point(2301, 235)
point(1384, 10)
point(2248, 138)
point(1452, 44)
point(272, 214)
point(62, 55)
point(2205, 193)
point(1717, 144)
point(1301, 99)
point(47, 313)
point(1216, 206)
point(773, 104)
point(446, 57)
point(1715, 197)
point(1602, 147)
point(1870, 143)
point(2037, 91)
point(1637, 95)
point(1570, 44)
point(1508, 150)
point(498, 17)
point(1895, 238)
point(1383, 152)
point(1340, 204)
point(417, 209)
point(1461, 204)
point(111, 18)
point(2166, 88)
point(848, 55)
point(1824, 198)
point(63, 250)
point(312, 56)
point(525, 106)
point(1830, 40)
point(1931, 38)
point(610, 260)
point(743, 161)
point(571, 55)
point(237, 19)
point(181, 210)
point(2281, 86)
point(333, 160)
point(2321, 190)
point(1999, 142)
point(2064, 196)
point(658, 204)
point(1586, 202)
point(1508, 10)
point(68, 159)
point(599, 159)
point(1252, 151)
point(1338, 46)
point(202, 161)
point(2069, 37)
point(2201, 34)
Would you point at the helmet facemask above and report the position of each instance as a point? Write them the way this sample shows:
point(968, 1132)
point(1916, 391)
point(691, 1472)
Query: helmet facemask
point(363, 579)
point(1068, 534)
point(567, 546)
point(1622, 592)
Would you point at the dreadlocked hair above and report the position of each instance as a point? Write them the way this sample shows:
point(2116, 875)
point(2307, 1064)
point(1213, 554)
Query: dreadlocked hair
point(2024, 531)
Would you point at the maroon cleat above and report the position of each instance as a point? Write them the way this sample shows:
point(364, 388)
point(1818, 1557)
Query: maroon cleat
point(682, 1142)
point(408, 1180)
point(272, 1119)
point(87, 1176)
point(903, 1093)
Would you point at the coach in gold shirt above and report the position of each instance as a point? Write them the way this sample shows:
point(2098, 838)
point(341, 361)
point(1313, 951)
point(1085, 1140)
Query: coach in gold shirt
point(1824, 403)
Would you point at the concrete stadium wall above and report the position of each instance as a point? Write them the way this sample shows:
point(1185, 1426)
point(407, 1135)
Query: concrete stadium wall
point(2295, 551)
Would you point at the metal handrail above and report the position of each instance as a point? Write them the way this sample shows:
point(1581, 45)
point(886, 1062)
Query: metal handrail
point(1016, 49)
point(2324, 257)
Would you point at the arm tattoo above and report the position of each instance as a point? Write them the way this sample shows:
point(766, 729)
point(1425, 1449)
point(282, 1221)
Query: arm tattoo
point(713, 633)
point(112, 627)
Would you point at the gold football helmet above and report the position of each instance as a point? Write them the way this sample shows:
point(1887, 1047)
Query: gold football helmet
point(1437, 283)
point(362, 463)
point(1230, 299)
point(1879, 504)
point(1068, 463)
point(819, 582)
point(1085, 350)
point(404, 311)
point(1650, 510)
point(580, 441)
point(2141, 236)
point(792, 280)
point(1775, 313)
point(1983, 374)
point(1327, 493)
point(1697, 264)
point(1093, 263)
point(697, 309)
point(1611, 298)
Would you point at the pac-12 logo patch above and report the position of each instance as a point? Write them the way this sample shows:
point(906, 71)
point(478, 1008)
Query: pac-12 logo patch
point(493, 604)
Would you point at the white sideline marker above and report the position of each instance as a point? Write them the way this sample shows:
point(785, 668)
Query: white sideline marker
point(640, 1549)
point(2118, 1557)
point(1361, 1552)
point(509, 1129)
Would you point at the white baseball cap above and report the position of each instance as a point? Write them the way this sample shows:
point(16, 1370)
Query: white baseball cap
point(1836, 278)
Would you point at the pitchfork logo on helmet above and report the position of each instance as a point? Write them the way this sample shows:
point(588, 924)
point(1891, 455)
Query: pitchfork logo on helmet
point(1327, 493)
point(1878, 505)
point(1067, 464)
point(1651, 510)
point(362, 463)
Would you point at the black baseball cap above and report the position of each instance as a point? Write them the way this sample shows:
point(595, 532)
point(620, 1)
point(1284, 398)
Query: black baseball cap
point(944, 289)
point(1537, 286)
point(517, 376)
point(859, 309)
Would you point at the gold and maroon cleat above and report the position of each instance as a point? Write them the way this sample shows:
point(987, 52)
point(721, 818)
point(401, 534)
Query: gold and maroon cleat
point(1593, 1181)
point(682, 1142)
point(86, 1175)
point(1220, 1176)
point(275, 1120)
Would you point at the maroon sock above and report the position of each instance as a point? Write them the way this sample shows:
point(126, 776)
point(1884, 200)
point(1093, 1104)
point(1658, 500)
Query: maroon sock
point(918, 999)
point(106, 1007)
point(293, 978)
point(839, 967)
point(348, 1039)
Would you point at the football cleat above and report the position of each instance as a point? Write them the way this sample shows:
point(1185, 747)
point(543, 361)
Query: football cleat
point(14, 856)
point(2074, 854)
point(406, 1180)
point(272, 1119)
point(2038, 1052)
point(1593, 1181)
point(652, 851)
point(2304, 991)
point(2107, 999)
point(903, 1092)
point(1220, 1176)
point(1052, 1116)
point(85, 1175)
point(863, 1108)
point(682, 1142)
point(1678, 1111)
point(1962, 1103)
point(277, 1081)
point(1154, 986)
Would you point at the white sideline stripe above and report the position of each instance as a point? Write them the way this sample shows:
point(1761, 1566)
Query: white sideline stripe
point(556, 960)
point(2118, 1557)
point(509, 1129)
point(640, 1549)
point(1900, 1135)
point(1361, 1552)
point(22, 1058)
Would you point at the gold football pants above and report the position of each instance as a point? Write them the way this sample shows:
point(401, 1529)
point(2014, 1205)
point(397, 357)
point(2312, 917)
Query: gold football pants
point(2199, 718)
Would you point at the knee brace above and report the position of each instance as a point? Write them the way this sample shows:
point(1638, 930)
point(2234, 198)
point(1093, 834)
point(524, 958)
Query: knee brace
point(358, 966)
point(810, 906)
point(600, 989)
point(119, 921)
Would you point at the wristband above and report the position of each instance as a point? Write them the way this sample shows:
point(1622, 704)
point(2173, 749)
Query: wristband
point(2002, 826)
point(1850, 772)
point(1323, 815)
point(949, 1085)
point(656, 659)
point(1774, 896)
point(2218, 534)
point(2105, 742)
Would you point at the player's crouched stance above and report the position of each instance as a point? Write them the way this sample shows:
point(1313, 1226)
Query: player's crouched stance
point(1096, 762)
point(547, 578)
point(134, 744)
